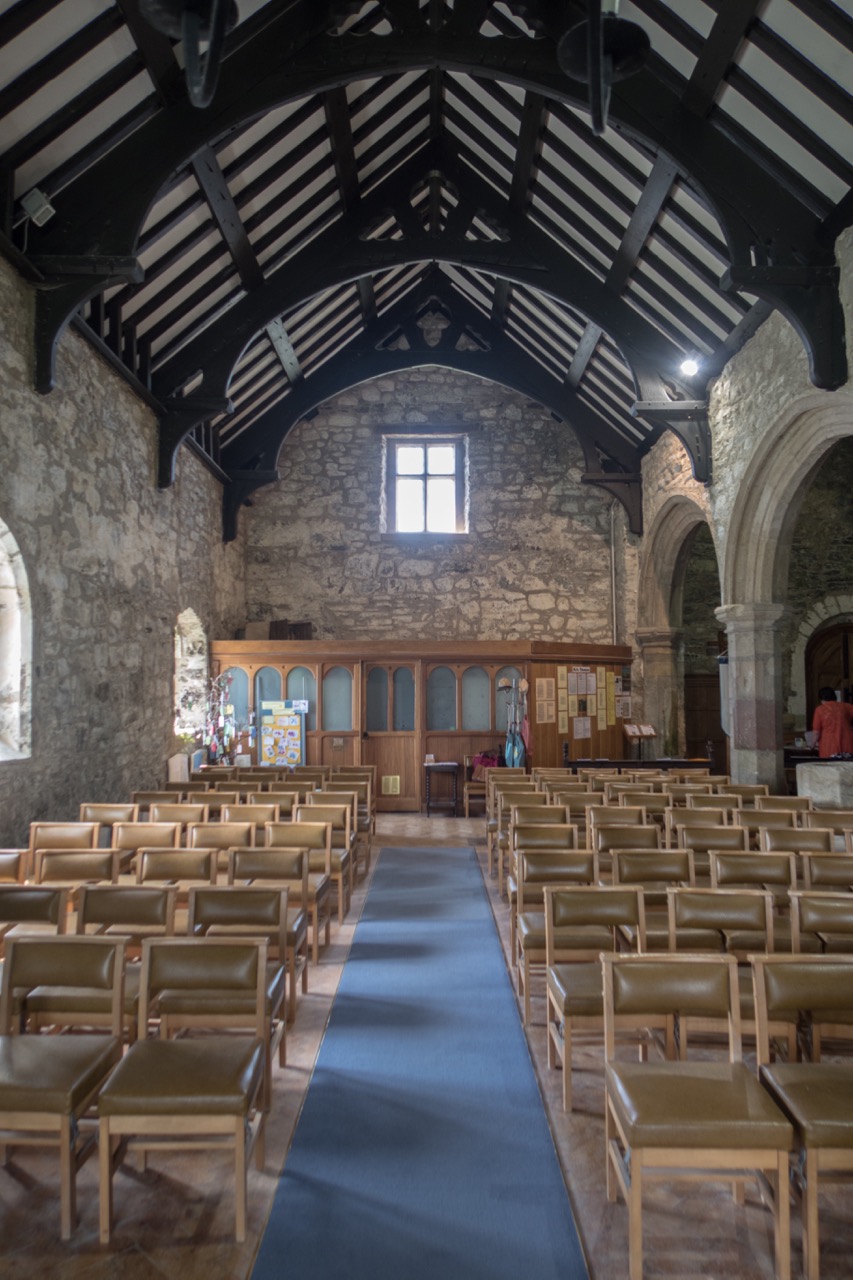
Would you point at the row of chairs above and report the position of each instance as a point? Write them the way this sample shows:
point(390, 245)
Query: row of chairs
point(163, 1092)
point(788, 1124)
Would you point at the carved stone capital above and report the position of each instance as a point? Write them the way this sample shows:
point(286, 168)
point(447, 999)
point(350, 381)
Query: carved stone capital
point(764, 616)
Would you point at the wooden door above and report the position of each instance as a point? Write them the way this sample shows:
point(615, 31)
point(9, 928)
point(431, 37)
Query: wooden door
point(702, 722)
point(390, 735)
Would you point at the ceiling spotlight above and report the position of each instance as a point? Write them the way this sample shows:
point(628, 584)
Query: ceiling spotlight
point(690, 367)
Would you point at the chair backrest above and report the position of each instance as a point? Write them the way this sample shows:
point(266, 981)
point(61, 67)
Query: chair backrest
point(613, 789)
point(572, 909)
point(133, 835)
point(838, 820)
point(173, 866)
point(108, 814)
point(292, 865)
point(624, 835)
point(700, 919)
point(216, 800)
point(801, 804)
point(545, 835)
point(219, 835)
point(251, 910)
point(286, 801)
point(679, 792)
point(336, 817)
point(798, 840)
point(540, 814)
point(182, 813)
point(254, 812)
point(235, 966)
point(721, 807)
point(824, 917)
point(32, 904)
point(746, 790)
point(827, 870)
point(75, 866)
point(309, 834)
point(65, 965)
point(64, 835)
point(654, 867)
point(738, 869)
point(541, 867)
point(704, 838)
point(613, 815)
point(145, 799)
point(102, 907)
point(13, 866)
point(644, 989)
point(803, 989)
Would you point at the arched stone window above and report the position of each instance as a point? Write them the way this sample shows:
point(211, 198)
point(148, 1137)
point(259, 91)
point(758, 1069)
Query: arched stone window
point(191, 674)
point(15, 651)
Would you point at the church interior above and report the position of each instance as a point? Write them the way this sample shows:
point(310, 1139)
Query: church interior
point(401, 352)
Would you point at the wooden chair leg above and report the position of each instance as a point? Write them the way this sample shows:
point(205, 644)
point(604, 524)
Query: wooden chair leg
point(67, 1180)
point(105, 1180)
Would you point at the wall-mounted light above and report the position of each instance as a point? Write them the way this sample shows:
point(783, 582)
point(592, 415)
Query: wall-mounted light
point(37, 207)
point(690, 367)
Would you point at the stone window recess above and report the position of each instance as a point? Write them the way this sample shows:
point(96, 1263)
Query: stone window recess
point(15, 651)
point(191, 673)
point(425, 484)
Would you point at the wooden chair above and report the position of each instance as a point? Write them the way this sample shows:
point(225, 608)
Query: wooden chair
point(145, 799)
point(687, 1119)
point(538, 868)
point(222, 836)
point(580, 923)
point(817, 1097)
point(338, 865)
point(315, 895)
point(258, 812)
point(63, 835)
point(153, 1098)
point(524, 815)
point(533, 838)
point(256, 911)
point(180, 867)
point(798, 840)
point(653, 871)
point(473, 789)
point(49, 1082)
point(13, 866)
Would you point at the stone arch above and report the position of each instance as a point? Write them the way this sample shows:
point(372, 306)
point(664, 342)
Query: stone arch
point(758, 542)
point(191, 674)
point(666, 549)
point(837, 607)
point(661, 591)
point(16, 629)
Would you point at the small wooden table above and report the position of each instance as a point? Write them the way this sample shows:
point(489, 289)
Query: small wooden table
point(450, 767)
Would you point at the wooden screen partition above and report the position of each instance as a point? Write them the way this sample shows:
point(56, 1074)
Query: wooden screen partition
point(392, 705)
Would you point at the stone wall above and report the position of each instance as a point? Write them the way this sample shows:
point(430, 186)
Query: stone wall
point(535, 562)
point(111, 562)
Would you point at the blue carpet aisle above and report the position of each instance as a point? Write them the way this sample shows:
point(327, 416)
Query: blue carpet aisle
point(422, 1151)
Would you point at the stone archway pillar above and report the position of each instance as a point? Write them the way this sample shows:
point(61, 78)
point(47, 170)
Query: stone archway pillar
point(662, 652)
point(754, 634)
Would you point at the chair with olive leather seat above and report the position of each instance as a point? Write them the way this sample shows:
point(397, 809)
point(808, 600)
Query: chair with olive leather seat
point(250, 911)
point(217, 910)
point(612, 815)
point(687, 1119)
point(653, 871)
point(508, 801)
point(580, 923)
point(49, 1082)
point(338, 817)
point(179, 867)
point(259, 812)
point(62, 835)
point(72, 868)
point(195, 1092)
point(839, 821)
point(536, 815)
point(817, 1097)
point(222, 836)
point(538, 868)
point(364, 815)
point(13, 865)
point(534, 838)
point(798, 840)
point(309, 889)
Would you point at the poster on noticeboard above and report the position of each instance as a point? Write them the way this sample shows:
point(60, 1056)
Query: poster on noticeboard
point(282, 734)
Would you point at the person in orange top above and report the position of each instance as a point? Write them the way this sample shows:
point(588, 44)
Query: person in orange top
point(833, 724)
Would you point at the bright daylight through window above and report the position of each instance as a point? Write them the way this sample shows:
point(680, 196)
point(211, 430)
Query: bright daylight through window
point(425, 484)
